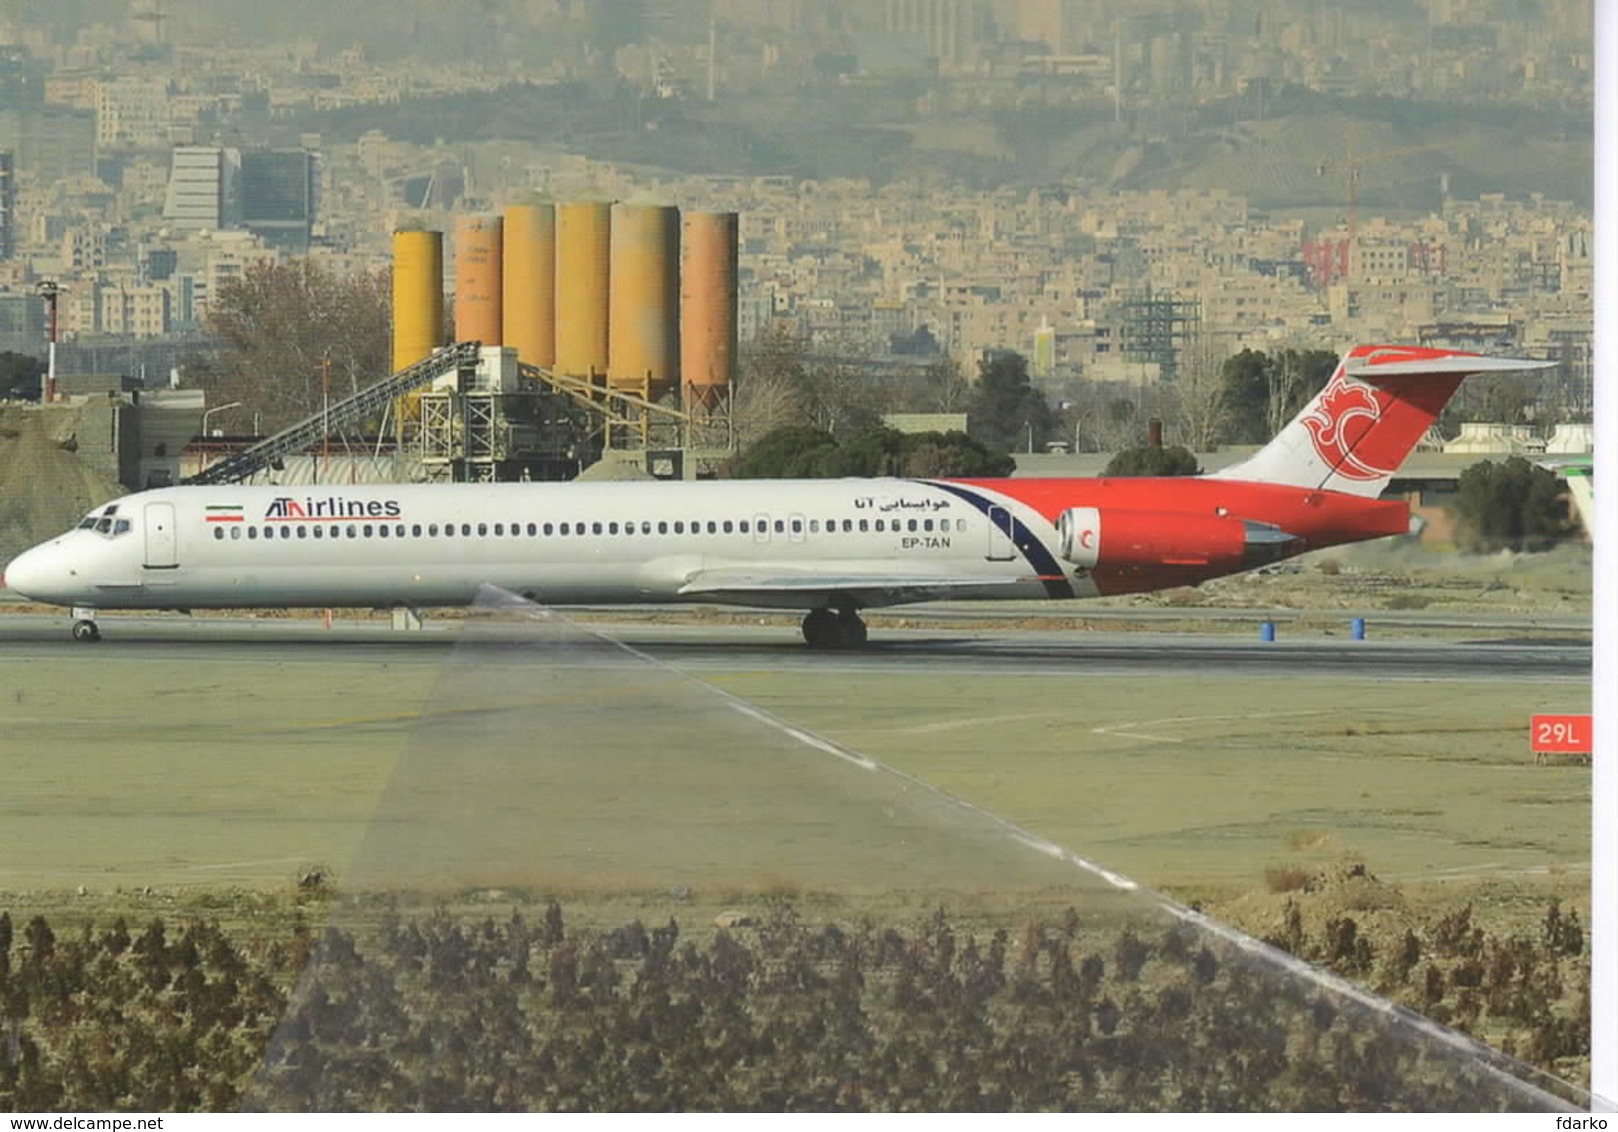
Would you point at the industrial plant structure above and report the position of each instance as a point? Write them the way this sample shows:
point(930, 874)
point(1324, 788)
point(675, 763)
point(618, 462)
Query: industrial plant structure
point(616, 329)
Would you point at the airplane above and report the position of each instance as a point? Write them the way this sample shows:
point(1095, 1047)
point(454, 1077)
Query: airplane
point(829, 547)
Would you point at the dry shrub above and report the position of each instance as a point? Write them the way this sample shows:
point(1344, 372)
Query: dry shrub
point(1286, 878)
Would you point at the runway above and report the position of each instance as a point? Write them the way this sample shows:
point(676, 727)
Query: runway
point(216, 750)
point(1511, 651)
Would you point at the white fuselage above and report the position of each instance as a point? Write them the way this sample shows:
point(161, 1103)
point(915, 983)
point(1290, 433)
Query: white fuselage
point(789, 544)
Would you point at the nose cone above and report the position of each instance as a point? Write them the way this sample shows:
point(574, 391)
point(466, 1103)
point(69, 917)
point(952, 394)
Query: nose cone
point(35, 573)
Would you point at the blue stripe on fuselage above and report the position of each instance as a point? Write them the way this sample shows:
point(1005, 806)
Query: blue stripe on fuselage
point(1037, 554)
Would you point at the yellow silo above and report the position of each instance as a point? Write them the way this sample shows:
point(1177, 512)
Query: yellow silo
point(644, 355)
point(529, 284)
point(478, 280)
point(583, 270)
point(708, 307)
point(418, 296)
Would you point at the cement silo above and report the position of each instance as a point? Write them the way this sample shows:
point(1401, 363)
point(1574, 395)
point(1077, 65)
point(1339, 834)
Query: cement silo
point(644, 355)
point(418, 295)
point(529, 285)
point(583, 270)
point(708, 308)
point(478, 280)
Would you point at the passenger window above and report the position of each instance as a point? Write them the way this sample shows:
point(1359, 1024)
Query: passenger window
point(235, 532)
point(499, 529)
point(466, 530)
point(814, 526)
point(848, 526)
point(679, 526)
point(219, 533)
point(483, 529)
point(595, 528)
point(645, 526)
point(398, 531)
point(662, 528)
point(743, 525)
point(252, 532)
point(727, 526)
point(926, 524)
point(533, 529)
point(865, 525)
point(960, 524)
point(780, 527)
point(382, 530)
point(547, 530)
point(713, 527)
point(449, 530)
point(353, 531)
point(797, 526)
point(881, 524)
point(911, 526)
point(415, 530)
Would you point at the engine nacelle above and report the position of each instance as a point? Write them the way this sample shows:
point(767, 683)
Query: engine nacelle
point(1089, 536)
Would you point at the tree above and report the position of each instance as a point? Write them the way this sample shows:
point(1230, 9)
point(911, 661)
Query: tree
point(1200, 396)
point(1263, 392)
point(797, 451)
point(1510, 505)
point(1174, 460)
point(22, 376)
point(1006, 412)
point(789, 451)
point(277, 324)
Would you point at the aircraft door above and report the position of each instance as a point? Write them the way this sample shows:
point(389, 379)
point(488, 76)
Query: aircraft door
point(160, 542)
point(1000, 548)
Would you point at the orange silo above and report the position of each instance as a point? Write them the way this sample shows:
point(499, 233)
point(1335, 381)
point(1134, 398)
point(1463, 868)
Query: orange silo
point(478, 280)
point(708, 307)
point(644, 353)
point(418, 295)
point(529, 284)
point(583, 270)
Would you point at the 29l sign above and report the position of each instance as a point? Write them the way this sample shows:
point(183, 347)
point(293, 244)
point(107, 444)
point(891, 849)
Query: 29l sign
point(1561, 734)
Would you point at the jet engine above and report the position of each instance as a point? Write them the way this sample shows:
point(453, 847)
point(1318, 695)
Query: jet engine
point(1090, 536)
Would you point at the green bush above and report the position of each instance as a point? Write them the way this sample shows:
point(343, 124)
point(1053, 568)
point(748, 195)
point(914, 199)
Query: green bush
point(1172, 461)
point(1512, 505)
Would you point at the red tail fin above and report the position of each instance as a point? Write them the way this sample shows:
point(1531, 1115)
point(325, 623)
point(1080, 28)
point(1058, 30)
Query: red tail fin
point(1358, 430)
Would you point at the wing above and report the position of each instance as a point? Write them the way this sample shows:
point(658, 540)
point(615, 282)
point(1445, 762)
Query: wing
point(800, 588)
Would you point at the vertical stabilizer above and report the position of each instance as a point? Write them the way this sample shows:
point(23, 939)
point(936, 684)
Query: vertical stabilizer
point(1379, 403)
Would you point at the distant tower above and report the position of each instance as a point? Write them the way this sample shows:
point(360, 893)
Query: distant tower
point(8, 206)
point(148, 16)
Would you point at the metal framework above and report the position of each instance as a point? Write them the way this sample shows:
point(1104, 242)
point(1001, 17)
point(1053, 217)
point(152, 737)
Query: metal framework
point(461, 357)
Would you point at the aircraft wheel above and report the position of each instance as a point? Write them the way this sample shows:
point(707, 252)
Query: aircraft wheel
point(820, 629)
point(86, 632)
point(851, 633)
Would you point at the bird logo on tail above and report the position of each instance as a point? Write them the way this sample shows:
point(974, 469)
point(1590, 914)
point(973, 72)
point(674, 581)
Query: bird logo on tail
point(1345, 412)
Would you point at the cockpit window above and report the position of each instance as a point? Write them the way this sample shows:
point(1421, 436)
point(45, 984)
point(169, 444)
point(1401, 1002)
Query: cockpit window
point(120, 527)
point(87, 523)
point(104, 525)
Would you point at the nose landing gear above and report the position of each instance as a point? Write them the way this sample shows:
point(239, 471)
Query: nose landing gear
point(825, 629)
point(85, 628)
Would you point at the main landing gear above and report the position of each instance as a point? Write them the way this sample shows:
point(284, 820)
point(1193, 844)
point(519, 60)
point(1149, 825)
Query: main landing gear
point(826, 629)
point(84, 625)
